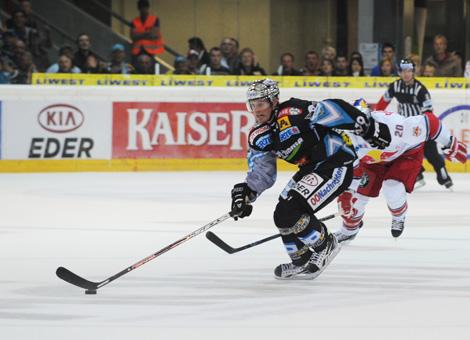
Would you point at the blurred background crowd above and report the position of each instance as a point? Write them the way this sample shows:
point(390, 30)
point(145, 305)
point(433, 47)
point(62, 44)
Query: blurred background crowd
point(26, 44)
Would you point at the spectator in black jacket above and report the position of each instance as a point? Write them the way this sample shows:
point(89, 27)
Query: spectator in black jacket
point(80, 57)
point(327, 68)
point(35, 42)
point(20, 29)
point(312, 64)
point(341, 67)
point(356, 67)
point(287, 66)
point(25, 6)
point(230, 57)
point(215, 66)
point(196, 44)
point(26, 68)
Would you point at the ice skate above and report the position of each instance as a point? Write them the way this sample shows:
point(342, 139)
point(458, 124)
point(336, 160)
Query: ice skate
point(316, 264)
point(345, 238)
point(397, 228)
point(419, 181)
point(448, 184)
point(290, 271)
point(320, 260)
point(444, 179)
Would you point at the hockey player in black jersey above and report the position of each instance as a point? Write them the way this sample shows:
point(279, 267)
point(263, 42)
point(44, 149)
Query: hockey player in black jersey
point(414, 99)
point(304, 133)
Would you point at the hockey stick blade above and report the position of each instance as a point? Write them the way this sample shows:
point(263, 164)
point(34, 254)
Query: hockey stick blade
point(76, 280)
point(229, 249)
point(218, 242)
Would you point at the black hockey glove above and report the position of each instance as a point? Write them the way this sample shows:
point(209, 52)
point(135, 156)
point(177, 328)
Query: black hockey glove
point(378, 134)
point(241, 206)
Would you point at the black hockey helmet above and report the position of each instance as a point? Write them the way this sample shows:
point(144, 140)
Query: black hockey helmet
point(406, 64)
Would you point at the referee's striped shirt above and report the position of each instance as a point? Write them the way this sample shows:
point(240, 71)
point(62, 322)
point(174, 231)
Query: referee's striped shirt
point(412, 99)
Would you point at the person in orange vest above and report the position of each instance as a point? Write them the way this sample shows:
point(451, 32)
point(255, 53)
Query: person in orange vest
point(145, 32)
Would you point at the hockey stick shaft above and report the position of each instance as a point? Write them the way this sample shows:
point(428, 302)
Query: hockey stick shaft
point(76, 280)
point(228, 249)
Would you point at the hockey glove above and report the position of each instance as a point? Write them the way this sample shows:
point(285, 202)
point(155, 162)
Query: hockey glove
point(241, 206)
point(456, 151)
point(378, 134)
point(346, 204)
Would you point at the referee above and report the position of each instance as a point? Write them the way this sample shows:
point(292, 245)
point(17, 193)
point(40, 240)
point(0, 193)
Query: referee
point(414, 99)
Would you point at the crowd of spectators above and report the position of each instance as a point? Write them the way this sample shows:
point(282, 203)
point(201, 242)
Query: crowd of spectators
point(24, 50)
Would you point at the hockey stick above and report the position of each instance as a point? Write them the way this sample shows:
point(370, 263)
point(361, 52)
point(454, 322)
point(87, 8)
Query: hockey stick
point(91, 286)
point(228, 249)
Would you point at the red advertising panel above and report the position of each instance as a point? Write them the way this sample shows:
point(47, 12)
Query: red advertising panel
point(180, 130)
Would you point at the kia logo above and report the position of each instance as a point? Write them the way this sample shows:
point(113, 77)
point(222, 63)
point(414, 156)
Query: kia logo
point(60, 118)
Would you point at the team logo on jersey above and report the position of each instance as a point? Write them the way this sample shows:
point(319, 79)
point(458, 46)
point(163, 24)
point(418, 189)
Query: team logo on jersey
point(256, 132)
point(288, 133)
point(364, 181)
point(295, 111)
point(289, 111)
point(263, 141)
point(311, 110)
point(291, 151)
point(328, 188)
point(346, 139)
point(416, 131)
point(311, 180)
point(284, 123)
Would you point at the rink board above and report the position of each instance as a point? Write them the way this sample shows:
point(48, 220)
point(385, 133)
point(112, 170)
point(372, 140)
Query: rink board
point(185, 128)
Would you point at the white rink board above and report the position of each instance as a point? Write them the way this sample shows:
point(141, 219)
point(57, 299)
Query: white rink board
point(21, 106)
point(416, 287)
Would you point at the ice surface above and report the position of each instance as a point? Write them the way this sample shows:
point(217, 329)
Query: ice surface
point(416, 287)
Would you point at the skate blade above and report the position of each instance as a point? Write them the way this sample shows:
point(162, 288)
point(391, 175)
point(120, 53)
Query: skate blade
point(347, 241)
point(419, 185)
point(311, 276)
point(332, 256)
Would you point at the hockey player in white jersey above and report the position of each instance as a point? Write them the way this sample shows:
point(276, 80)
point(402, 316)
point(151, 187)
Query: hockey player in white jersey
point(393, 169)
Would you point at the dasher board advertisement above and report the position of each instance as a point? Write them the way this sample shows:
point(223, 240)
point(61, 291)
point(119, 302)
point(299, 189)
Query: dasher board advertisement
point(180, 130)
point(56, 129)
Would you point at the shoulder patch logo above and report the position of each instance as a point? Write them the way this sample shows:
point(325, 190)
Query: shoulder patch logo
point(284, 123)
point(255, 132)
point(417, 131)
point(288, 133)
point(289, 111)
point(293, 111)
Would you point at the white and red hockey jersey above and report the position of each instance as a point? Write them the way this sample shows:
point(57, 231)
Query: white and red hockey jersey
point(408, 135)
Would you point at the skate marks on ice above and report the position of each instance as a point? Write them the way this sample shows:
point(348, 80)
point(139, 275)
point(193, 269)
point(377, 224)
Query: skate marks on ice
point(244, 294)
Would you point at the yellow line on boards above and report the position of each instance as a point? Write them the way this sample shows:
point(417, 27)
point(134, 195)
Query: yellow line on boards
point(213, 164)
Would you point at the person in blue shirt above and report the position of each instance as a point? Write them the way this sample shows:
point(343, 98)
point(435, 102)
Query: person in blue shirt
point(388, 52)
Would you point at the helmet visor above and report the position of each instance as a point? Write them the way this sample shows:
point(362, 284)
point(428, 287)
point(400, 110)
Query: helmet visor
point(258, 104)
